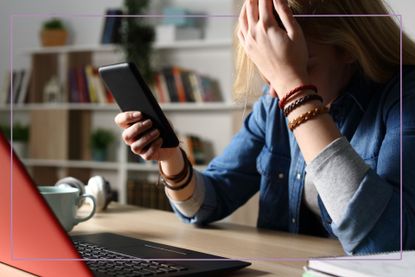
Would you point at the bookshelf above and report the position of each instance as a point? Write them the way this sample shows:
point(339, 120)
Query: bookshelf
point(50, 148)
point(216, 122)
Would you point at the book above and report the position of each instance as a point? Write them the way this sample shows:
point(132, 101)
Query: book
point(112, 27)
point(377, 265)
point(181, 95)
point(5, 89)
point(196, 87)
point(24, 88)
point(17, 84)
point(161, 88)
point(171, 85)
point(89, 76)
point(187, 86)
point(99, 87)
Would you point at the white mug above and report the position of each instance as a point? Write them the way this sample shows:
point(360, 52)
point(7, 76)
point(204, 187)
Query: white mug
point(64, 203)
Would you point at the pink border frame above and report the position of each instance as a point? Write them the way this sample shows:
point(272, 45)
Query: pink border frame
point(11, 24)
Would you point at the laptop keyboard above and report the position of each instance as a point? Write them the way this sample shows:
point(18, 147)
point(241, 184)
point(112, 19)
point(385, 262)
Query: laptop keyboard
point(132, 266)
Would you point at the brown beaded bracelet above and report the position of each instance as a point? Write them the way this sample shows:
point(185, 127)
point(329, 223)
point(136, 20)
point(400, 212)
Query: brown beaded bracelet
point(287, 96)
point(302, 101)
point(307, 116)
point(187, 171)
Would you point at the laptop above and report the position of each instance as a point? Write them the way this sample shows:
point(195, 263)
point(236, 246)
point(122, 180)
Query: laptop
point(32, 239)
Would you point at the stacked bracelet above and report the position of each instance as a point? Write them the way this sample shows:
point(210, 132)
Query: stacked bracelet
point(307, 116)
point(185, 173)
point(302, 101)
point(291, 93)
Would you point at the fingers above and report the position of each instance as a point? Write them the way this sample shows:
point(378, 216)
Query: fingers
point(286, 16)
point(131, 133)
point(265, 12)
point(142, 145)
point(124, 120)
point(252, 14)
point(243, 22)
point(152, 152)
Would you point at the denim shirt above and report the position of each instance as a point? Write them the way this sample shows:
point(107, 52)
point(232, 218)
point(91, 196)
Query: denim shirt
point(264, 156)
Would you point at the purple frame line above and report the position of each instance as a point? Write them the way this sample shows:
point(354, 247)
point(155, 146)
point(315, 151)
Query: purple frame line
point(11, 19)
point(400, 18)
point(11, 133)
point(190, 16)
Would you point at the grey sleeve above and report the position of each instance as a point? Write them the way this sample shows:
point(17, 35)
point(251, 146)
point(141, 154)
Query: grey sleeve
point(336, 173)
point(189, 207)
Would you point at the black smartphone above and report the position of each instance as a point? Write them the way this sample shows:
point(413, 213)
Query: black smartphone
point(131, 93)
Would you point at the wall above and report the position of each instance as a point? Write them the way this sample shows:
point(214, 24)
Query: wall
point(88, 31)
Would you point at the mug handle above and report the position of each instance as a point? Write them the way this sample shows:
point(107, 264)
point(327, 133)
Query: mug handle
point(80, 200)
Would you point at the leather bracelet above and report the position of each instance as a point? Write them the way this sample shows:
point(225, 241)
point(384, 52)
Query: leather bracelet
point(187, 171)
point(181, 175)
point(287, 96)
point(182, 186)
point(307, 116)
point(301, 101)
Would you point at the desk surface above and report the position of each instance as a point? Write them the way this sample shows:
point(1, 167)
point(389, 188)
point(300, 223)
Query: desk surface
point(262, 247)
point(223, 239)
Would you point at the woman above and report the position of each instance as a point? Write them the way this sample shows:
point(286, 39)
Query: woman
point(323, 144)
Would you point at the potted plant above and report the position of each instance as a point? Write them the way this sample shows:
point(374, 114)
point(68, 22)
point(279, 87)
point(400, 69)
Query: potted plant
point(20, 138)
point(53, 33)
point(100, 142)
point(137, 37)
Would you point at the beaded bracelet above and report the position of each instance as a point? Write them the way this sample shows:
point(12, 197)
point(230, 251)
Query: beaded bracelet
point(302, 101)
point(287, 96)
point(307, 116)
point(187, 171)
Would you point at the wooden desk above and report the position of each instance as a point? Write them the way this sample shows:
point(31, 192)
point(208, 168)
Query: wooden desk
point(223, 239)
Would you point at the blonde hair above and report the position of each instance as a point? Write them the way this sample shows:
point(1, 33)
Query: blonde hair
point(374, 42)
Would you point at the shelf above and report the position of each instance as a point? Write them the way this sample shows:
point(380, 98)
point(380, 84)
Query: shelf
point(73, 49)
point(200, 43)
point(72, 164)
point(182, 44)
point(168, 107)
point(61, 106)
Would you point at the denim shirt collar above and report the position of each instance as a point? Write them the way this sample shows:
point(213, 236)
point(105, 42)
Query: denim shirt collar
point(358, 92)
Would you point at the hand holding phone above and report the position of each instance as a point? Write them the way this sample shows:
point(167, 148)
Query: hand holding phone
point(132, 94)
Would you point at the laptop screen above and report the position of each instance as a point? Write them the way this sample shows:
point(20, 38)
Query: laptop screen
point(31, 238)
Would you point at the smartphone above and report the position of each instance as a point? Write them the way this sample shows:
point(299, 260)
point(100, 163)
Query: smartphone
point(131, 93)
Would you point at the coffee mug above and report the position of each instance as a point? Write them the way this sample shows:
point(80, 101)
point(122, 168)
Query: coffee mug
point(64, 203)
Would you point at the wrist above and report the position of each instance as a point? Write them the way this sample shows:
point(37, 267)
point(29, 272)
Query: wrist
point(303, 109)
point(283, 89)
point(174, 163)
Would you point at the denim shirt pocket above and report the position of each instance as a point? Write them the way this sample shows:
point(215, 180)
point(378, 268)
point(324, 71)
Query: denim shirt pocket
point(273, 200)
point(273, 166)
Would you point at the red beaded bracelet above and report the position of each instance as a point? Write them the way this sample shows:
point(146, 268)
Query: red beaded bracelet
point(287, 96)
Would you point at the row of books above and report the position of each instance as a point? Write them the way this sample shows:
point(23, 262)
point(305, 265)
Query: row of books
point(21, 80)
point(145, 193)
point(85, 86)
point(175, 84)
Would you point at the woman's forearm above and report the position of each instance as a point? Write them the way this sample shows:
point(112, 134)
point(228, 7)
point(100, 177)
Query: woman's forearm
point(316, 134)
point(172, 167)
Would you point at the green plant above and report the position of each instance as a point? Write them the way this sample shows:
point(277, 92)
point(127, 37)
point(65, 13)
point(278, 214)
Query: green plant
point(101, 138)
point(53, 24)
point(20, 132)
point(137, 37)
